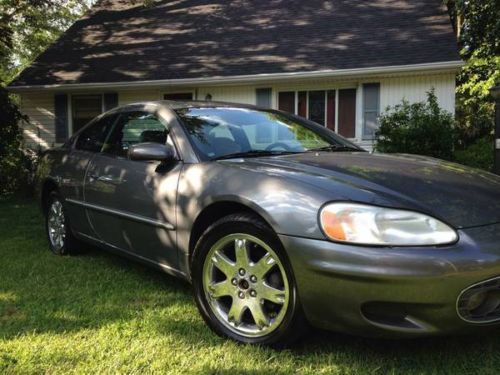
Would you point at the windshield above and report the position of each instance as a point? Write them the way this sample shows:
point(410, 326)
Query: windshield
point(224, 131)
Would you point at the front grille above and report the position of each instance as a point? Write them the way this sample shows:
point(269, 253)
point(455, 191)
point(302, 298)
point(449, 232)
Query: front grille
point(480, 303)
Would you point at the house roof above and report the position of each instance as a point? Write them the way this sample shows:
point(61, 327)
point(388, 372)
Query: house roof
point(123, 41)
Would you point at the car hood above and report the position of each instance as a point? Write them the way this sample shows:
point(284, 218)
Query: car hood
point(462, 196)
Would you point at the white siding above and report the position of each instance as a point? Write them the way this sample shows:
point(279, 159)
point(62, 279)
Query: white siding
point(134, 96)
point(393, 90)
point(39, 132)
point(235, 94)
point(40, 106)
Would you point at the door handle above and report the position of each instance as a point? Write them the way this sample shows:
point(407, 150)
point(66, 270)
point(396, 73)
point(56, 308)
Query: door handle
point(105, 178)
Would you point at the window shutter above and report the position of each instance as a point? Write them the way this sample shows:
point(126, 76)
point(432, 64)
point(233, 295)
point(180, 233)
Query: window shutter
point(347, 113)
point(110, 101)
point(264, 97)
point(286, 101)
point(61, 117)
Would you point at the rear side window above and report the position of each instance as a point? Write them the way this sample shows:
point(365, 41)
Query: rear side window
point(92, 137)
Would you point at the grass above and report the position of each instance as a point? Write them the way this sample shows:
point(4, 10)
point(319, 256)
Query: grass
point(99, 313)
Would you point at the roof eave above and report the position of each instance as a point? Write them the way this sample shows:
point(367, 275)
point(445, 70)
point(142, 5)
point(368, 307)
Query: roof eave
point(445, 66)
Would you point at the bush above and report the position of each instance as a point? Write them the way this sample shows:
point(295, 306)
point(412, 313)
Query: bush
point(478, 155)
point(16, 165)
point(419, 128)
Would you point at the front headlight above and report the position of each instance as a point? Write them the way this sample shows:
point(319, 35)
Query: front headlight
point(371, 225)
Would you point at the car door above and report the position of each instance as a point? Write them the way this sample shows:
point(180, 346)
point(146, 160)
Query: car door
point(133, 202)
point(82, 149)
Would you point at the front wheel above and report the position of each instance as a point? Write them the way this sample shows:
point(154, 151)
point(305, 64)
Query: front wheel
point(243, 283)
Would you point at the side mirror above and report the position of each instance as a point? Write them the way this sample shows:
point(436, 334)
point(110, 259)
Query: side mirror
point(152, 152)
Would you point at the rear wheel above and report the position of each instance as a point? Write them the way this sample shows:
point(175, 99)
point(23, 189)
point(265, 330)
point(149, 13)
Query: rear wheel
point(243, 283)
point(61, 240)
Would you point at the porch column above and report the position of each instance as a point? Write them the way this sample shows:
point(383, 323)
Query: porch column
point(495, 91)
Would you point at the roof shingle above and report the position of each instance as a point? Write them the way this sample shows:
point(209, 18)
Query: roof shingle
point(121, 42)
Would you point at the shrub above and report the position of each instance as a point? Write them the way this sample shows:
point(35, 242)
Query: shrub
point(16, 164)
point(420, 128)
point(478, 155)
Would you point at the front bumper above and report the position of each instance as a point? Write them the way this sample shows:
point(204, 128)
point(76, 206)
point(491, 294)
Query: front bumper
point(392, 292)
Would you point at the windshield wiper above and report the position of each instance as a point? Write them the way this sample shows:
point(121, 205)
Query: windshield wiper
point(334, 148)
point(252, 154)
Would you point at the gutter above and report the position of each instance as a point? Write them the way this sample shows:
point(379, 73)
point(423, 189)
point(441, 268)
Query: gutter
point(446, 66)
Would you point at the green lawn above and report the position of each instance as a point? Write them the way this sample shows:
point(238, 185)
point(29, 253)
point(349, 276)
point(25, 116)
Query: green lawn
point(98, 313)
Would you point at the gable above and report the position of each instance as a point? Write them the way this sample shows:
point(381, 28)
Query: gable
point(122, 42)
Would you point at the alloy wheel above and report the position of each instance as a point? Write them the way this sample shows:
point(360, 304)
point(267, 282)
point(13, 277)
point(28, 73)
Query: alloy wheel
point(246, 285)
point(56, 225)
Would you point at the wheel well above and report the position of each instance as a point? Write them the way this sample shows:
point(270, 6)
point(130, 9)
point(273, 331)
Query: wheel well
point(211, 214)
point(48, 187)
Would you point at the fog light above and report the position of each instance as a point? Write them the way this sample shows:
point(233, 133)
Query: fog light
point(475, 300)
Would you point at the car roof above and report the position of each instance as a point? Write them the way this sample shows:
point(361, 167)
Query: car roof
point(173, 104)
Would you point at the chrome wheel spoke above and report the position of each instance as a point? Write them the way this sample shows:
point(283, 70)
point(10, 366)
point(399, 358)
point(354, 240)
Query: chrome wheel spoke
point(258, 314)
point(223, 264)
point(264, 265)
point(272, 294)
point(241, 252)
point(221, 289)
point(235, 314)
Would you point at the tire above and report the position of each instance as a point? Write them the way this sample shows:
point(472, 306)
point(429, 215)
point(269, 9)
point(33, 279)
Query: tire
point(251, 298)
point(60, 238)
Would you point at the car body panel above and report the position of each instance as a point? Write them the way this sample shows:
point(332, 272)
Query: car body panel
point(421, 284)
point(459, 195)
point(143, 197)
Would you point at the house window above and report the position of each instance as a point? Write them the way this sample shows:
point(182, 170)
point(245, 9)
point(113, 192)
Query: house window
point(371, 109)
point(317, 105)
point(264, 97)
point(84, 108)
point(178, 96)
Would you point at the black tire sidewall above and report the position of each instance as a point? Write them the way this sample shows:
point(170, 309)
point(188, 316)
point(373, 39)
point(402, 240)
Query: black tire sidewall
point(287, 328)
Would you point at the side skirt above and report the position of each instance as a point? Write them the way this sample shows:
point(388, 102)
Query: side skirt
point(105, 246)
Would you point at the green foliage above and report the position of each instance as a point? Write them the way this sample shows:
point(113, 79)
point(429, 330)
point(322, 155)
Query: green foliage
point(477, 23)
point(28, 27)
point(16, 165)
point(418, 128)
point(477, 155)
point(475, 106)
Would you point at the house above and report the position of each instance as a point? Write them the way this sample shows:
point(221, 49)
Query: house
point(337, 62)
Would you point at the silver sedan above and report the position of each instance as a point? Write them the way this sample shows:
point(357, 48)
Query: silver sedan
point(280, 223)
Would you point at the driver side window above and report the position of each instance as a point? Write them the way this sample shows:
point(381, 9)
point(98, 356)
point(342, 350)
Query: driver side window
point(132, 128)
point(92, 137)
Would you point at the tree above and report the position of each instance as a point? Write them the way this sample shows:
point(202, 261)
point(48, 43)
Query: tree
point(477, 25)
point(28, 27)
